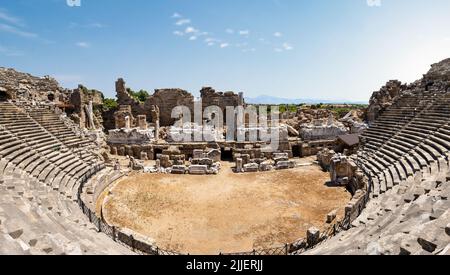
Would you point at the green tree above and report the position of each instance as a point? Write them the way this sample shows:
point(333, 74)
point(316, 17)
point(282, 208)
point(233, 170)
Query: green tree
point(110, 104)
point(140, 96)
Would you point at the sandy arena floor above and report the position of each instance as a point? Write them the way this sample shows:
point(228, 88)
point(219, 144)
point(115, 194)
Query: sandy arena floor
point(225, 213)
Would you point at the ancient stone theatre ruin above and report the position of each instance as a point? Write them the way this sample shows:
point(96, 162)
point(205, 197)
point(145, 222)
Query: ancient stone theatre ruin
point(67, 158)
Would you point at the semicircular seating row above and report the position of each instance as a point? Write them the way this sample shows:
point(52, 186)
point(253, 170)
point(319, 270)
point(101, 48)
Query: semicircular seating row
point(39, 178)
point(405, 153)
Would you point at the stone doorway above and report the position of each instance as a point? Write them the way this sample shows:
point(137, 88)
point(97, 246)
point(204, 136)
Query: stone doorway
point(51, 97)
point(226, 154)
point(297, 153)
point(4, 96)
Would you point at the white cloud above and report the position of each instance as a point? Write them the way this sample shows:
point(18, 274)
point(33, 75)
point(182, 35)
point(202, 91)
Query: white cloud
point(83, 44)
point(288, 47)
point(192, 38)
point(244, 32)
point(211, 44)
point(374, 3)
point(284, 47)
point(4, 16)
point(191, 30)
point(278, 34)
point(209, 39)
point(182, 22)
point(229, 31)
point(95, 25)
point(176, 15)
point(178, 33)
point(224, 45)
point(16, 31)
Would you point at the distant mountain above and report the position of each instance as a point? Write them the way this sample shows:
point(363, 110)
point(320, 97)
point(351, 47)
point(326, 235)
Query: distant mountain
point(265, 99)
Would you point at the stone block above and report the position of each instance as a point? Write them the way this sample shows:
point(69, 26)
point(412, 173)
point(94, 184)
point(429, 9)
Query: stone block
point(198, 169)
point(178, 169)
point(251, 167)
point(266, 166)
point(165, 161)
point(144, 156)
point(313, 236)
point(331, 216)
point(283, 165)
point(198, 154)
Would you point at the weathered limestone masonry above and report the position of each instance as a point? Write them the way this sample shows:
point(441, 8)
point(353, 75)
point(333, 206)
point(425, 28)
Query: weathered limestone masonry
point(21, 86)
point(167, 99)
point(86, 104)
point(212, 98)
point(383, 99)
point(322, 129)
point(124, 98)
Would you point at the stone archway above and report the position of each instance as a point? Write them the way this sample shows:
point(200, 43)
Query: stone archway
point(4, 96)
point(51, 97)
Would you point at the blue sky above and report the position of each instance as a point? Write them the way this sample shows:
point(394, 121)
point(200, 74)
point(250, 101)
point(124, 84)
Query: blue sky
point(321, 49)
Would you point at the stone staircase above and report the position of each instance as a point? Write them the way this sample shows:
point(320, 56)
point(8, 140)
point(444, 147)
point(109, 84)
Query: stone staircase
point(52, 123)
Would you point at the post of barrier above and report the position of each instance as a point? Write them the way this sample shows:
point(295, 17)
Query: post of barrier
point(132, 242)
point(157, 250)
point(254, 251)
point(287, 249)
point(114, 233)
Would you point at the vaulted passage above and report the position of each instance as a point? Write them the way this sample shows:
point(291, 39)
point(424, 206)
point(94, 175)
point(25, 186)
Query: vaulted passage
point(4, 96)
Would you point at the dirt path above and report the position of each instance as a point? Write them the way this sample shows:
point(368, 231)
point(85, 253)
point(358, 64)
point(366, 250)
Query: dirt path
point(225, 213)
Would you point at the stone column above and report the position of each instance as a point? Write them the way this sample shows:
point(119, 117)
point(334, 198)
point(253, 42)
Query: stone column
point(241, 99)
point(127, 122)
point(89, 116)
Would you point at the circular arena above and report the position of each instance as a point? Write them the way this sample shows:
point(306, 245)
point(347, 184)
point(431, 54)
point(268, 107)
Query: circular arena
point(224, 213)
point(79, 177)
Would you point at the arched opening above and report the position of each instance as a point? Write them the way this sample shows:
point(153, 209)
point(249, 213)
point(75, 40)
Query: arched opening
point(51, 97)
point(4, 96)
point(296, 151)
point(227, 154)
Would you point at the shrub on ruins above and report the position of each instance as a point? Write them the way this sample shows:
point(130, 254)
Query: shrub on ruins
point(110, 104)
point(140, 96)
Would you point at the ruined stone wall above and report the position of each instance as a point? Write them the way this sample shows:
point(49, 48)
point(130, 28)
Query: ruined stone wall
point(124, 98)
point(211, 97)
point(312, 148)
point(383, 98)
point(167, 100)
point(21, 86)
point(80, 99)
